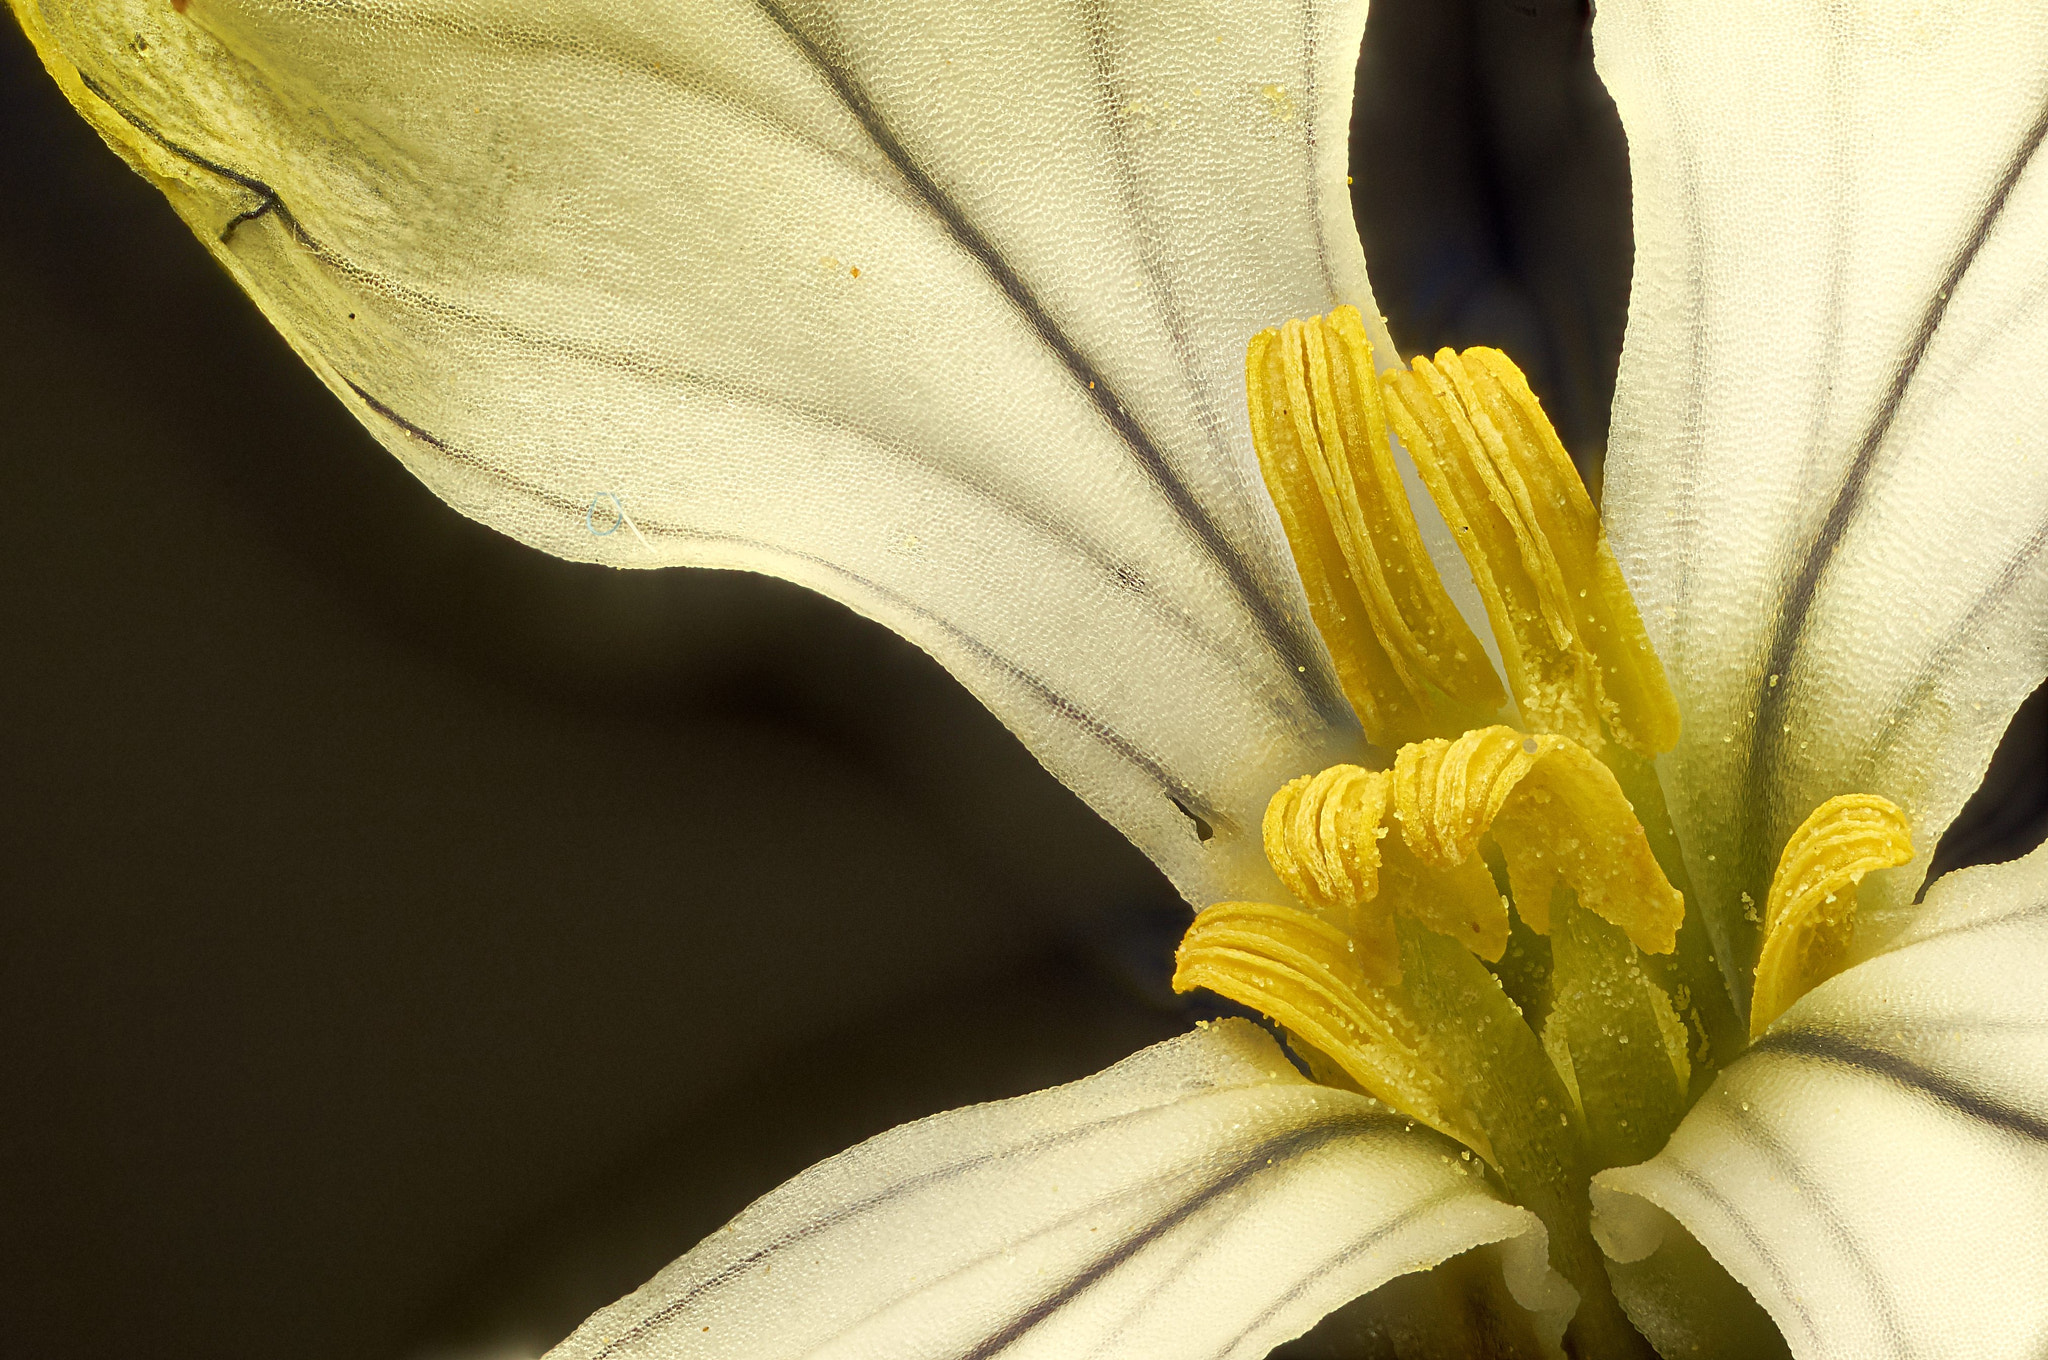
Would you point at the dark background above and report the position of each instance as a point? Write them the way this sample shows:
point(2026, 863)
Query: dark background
point(412, 941)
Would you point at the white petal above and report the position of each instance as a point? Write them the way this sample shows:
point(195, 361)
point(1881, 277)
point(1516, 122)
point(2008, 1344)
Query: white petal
point(937, 308)
point(1829, 472)
point(1875, 1170)
point(1198, 1199)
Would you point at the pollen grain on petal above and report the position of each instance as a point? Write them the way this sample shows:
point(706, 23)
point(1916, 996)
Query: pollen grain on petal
point(1810, 918)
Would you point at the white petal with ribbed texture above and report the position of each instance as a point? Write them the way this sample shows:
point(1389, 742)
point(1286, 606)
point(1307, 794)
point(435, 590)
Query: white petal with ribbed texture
point(1197, 1199)
point(1828, 478)
point(938, 308)
point(1875, 1170)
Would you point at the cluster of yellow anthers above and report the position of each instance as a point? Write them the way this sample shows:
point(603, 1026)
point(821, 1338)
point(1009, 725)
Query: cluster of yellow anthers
point(1573, 646)
point(1332, 974)
point(1555, 812)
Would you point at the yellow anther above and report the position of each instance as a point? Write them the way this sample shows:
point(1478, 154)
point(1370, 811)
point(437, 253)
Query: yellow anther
point(1333, 975)
point(1322, 835)
point(1558, 816)
point(1303, 973)
point(1811, 917)
point(1327, 840)
point(1319, 425)
point(1460, 900)
point(1569, 633)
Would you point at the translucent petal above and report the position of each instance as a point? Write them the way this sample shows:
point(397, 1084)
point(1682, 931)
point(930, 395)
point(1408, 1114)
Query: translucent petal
point(1875, 1169)
point(1828, 471)
point(1198, 1199)
point(938, 309)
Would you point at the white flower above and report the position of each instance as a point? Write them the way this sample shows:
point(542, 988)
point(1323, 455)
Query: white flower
point(941, 309)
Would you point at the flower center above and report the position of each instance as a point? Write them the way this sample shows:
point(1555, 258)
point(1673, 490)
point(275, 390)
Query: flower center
point(1548, 791)
point(1515, 873)
point(1332, 973)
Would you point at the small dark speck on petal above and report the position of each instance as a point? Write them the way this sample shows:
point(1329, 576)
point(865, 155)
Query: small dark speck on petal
point(1203, 831)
